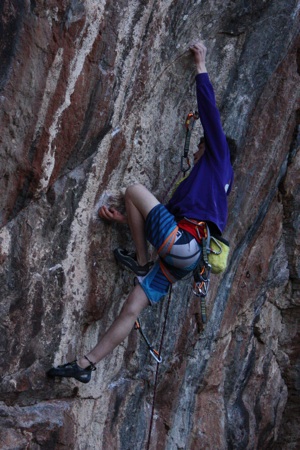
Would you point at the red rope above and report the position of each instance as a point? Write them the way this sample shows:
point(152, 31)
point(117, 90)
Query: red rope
point(157, 370)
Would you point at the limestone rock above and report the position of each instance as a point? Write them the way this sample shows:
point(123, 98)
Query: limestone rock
point(93, 97)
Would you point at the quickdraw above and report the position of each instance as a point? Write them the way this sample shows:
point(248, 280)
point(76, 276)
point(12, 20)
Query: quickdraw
point(185, 162)
point(152, 350)
point(202, 274)
point(189, 125)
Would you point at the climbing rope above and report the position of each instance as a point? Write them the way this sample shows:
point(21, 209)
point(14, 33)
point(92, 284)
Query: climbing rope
point(201, 284)
point(157, 370)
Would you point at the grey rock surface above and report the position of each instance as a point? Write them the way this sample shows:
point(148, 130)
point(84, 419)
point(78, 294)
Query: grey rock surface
point(93, 97)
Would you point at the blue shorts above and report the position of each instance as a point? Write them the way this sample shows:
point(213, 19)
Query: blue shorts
point(182, 258)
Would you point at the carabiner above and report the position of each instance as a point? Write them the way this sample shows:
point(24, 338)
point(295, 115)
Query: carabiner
point(156, 355)
point(202, 289)
point(185, 164)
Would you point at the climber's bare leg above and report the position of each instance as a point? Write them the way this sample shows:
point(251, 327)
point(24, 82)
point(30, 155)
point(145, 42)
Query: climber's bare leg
point(139, 202)
point(120, 328)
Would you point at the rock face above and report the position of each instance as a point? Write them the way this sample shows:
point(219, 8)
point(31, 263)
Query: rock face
point(94, 95)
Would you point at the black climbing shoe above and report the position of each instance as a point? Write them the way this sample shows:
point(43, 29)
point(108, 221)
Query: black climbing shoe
point(72, 370)
point(128, 260)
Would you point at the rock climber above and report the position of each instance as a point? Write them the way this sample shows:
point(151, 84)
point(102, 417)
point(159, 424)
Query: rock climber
point(173, 229)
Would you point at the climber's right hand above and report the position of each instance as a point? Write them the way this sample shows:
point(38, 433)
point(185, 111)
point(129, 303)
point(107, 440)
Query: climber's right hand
point(111, 214)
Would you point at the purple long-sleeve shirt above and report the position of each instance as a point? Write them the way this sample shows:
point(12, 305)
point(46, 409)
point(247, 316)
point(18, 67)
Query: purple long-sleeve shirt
point(203, 194)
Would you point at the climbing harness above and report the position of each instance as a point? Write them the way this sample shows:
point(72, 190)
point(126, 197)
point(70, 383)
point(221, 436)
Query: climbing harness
point(189, 125)
point(201, 276)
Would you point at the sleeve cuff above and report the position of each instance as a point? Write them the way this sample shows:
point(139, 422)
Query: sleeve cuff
point(202, 78)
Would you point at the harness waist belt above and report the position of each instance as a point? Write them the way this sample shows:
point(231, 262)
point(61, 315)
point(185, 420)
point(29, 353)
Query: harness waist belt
point(196, 228)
